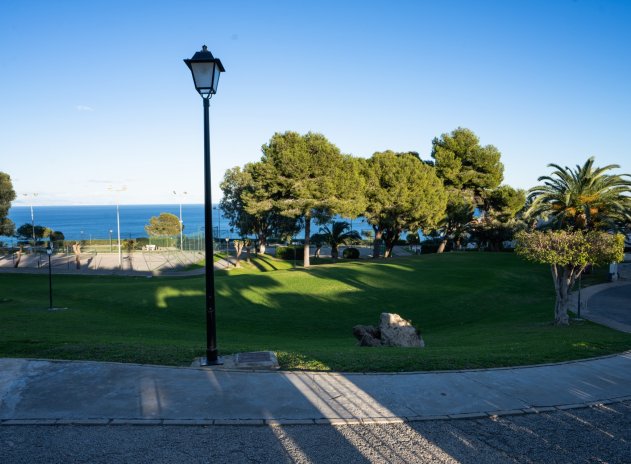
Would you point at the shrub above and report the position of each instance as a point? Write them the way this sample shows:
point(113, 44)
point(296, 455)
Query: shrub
point(412, 239)
point(128, 245)
point(350, 253)
point(290, 253)
point(431, 246)
point(427, 248)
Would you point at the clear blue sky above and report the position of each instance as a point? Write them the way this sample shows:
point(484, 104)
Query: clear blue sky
point(96, 93)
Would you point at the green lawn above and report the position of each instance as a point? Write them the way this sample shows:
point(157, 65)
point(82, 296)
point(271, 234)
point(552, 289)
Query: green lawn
point(473, 309)
point(258, 262)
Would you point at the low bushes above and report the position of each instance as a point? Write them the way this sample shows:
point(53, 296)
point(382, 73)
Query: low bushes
point(350, 253)
point(431, 246)
point(290, 253)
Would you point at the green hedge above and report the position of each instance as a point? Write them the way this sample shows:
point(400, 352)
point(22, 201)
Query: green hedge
point(290, 253)
point(350, 253)
point(431, 246)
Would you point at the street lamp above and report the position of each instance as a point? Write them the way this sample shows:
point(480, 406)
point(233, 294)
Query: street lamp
point(118, 224)
point(32, 215)
point(205, 70)
point(181, 223)
point(578, 314)
point(49, 252)
point(218, 208)
point(111, 240)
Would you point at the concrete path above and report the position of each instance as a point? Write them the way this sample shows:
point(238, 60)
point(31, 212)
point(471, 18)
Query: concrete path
point(608, 304)
point(34, 391)
point(154, 263)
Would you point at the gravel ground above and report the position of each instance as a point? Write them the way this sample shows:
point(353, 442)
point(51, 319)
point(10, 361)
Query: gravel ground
point(599, 435)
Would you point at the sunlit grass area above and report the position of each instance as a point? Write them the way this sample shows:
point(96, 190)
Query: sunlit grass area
point(256, 262)
point(473, 309)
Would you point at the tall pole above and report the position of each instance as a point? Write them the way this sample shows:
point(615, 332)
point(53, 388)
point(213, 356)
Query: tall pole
point(579, 295)
point(179, 195)
point(33, 224)
point(118, 224)
point(181, 229)
point(211, 330)
point(118, 231)
point(50, 278)
point(33, 195)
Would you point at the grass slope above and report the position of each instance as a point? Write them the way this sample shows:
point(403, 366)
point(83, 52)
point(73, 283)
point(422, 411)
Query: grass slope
point(473, 309)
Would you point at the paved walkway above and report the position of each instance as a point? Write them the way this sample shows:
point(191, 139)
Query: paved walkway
point(608, 304)
point(148, 263)
point(154, 263)
point(57, 392)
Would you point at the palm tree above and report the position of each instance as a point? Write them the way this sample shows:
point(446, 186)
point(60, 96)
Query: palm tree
point(585, 198)
point(338, 234)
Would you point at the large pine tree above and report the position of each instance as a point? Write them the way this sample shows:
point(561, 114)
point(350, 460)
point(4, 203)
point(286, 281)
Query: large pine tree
point(316, 180)
point(7, 195)
point(403, 194)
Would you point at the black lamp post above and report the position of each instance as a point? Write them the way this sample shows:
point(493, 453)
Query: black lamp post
point(578, 313)
point(206, 70)
point(49, 252)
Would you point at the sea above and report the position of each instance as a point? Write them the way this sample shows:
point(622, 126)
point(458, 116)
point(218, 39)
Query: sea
point(96, 221)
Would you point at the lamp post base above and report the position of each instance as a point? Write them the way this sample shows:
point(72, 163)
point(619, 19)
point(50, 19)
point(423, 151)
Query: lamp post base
point(203, 361)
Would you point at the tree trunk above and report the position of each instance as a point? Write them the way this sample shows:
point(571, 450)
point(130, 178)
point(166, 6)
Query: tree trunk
point(262, 244)
point(317, 251)
point(388, 251)
point(19, 257)
point(390, 242)
point(334, 252)
point(238, 248)
point(442, 246)
point(376, 246)
point(76, 248)
point(562, 278)
point(560, 312)
point(306, 250)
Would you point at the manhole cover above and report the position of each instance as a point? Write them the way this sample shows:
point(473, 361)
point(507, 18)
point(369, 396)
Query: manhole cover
point(255, 357)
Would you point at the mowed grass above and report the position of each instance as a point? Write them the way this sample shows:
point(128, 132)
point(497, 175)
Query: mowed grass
point(473, 309)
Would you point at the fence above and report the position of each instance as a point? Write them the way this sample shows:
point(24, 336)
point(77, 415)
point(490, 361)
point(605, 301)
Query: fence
point(107, 245)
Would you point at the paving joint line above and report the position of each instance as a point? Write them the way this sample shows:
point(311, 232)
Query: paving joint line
point(325, 373)
point(319, 421)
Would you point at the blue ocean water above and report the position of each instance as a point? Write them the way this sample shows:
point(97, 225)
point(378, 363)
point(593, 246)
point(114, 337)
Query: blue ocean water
point(95, 221)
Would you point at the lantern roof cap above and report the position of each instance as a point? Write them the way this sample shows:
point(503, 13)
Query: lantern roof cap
point(204, 56)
